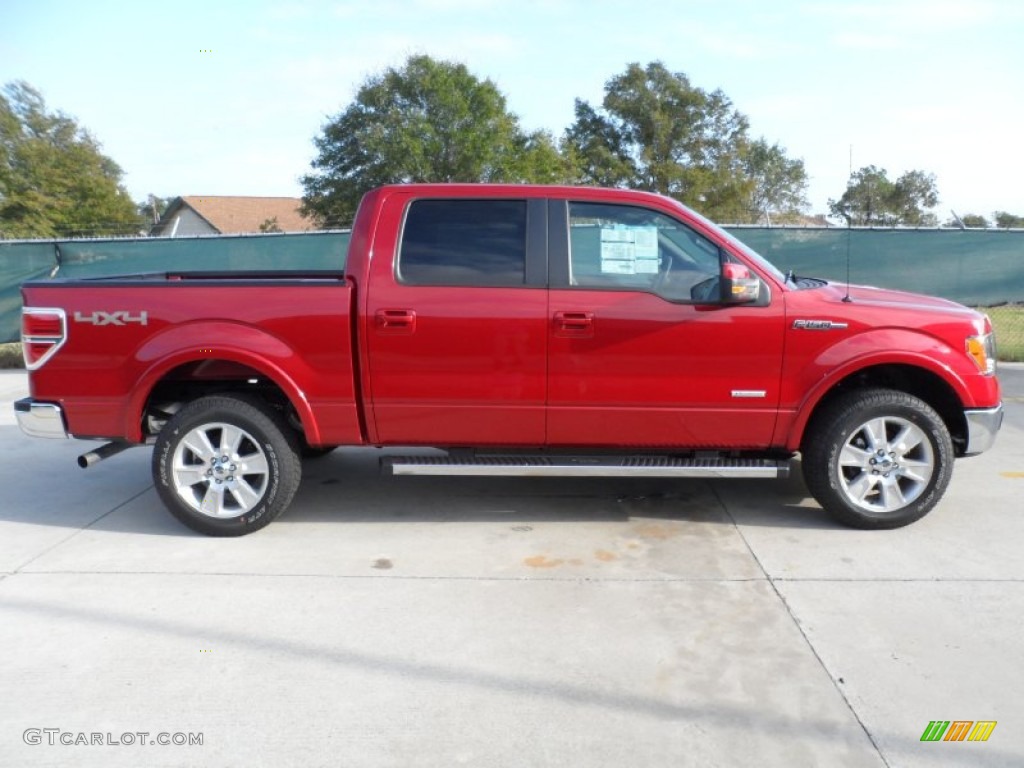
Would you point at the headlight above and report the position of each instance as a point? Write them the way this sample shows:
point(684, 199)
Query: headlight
point(982, 350)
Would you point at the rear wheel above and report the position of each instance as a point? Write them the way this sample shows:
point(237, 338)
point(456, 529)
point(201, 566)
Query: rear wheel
point(226, 465)
point(877, 458)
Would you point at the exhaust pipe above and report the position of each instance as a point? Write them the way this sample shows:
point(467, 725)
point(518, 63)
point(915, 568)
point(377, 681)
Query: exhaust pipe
point(86, 460)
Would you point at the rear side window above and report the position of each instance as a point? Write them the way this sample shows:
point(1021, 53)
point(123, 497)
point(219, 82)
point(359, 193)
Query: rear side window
point(464, 242)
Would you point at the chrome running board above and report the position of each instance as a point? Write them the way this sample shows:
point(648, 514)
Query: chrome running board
point(585, 466)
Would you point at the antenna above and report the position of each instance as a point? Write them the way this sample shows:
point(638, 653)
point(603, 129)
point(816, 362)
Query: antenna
point(849, 224)
point(846, 298)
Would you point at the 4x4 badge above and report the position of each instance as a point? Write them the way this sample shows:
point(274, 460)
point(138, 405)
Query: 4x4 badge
point(112, 318)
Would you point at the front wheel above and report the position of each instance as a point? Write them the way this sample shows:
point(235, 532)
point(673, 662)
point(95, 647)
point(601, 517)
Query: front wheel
point(226, 466)
point(877, 458)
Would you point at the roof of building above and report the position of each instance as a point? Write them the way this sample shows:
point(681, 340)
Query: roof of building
point(233, 214)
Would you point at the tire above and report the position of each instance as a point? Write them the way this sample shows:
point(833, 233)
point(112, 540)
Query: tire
point(226, 465)
point(877, 458)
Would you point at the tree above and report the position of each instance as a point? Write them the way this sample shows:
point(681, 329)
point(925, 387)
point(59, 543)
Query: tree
point(599, 150)
point(430, 121)
point(780, 183)
point(914, 192)
point(54, 181)
point(539, 159)
point(1006, 220)
point(871, 199)
point(152, 208)
point(658, 132)
point(268, 226)
point(969, 220)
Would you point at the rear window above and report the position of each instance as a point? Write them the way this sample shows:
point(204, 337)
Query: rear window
point(464, 242)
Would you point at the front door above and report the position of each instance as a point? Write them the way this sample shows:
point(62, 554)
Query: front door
point(642, 353)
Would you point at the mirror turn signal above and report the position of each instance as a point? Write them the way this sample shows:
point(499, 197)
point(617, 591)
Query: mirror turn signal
point(739, 285)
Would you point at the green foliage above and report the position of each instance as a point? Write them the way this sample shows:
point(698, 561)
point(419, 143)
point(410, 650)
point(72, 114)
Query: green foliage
point(538, 159)
point(780, 183)
point(871, 199)
point(270, 225)
point(434, 121)
point(658, 132)
point(152, 208)
point(430, 121)
point(1006, 220)
point(54, 181)
point(970, 220)
point(916, 191)
point(11, 357)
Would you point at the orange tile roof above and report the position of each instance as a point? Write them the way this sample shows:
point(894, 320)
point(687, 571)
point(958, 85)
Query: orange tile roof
point(232, 215)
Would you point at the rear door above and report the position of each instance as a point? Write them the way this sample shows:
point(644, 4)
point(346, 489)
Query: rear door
point(641, 351)
point(456, 322)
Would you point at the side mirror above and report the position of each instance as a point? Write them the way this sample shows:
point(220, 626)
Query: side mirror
point(739, 286)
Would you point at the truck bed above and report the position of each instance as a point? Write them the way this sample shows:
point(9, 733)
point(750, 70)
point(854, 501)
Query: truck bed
point(125, 335)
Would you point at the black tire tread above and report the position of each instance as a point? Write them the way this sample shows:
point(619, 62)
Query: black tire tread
point(260, 417)
point(823, 441)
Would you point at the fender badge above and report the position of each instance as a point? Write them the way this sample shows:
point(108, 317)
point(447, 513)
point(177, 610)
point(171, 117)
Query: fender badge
point(819, 325)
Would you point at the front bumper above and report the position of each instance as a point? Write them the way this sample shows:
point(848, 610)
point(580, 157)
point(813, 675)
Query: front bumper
point(982, 427)
point(40, 419)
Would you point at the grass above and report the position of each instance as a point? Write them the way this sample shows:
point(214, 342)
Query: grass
point(10, 356)
point(1008, 322)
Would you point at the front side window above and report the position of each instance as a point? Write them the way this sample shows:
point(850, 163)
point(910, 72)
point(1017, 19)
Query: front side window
point(464, 242)
point(629, 248)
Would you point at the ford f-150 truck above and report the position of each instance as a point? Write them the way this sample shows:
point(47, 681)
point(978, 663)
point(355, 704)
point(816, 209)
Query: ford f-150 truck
point(524, 330)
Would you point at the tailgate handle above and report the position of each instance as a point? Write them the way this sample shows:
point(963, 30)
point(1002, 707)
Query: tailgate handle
point(396, 320)
point(575, 324)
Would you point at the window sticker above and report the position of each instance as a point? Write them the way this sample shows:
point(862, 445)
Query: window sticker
point(629, 250)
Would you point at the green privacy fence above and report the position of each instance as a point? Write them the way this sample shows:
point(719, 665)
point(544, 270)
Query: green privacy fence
point(975, 267)
point(22, 261)
point(252, 253)
point(26, 261)
point(980, 268)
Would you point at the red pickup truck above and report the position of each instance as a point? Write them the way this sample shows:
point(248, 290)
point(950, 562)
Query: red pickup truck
point(524, 330)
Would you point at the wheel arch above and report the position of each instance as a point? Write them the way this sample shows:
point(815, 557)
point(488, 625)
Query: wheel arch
point(918, 380)
point(191, 374)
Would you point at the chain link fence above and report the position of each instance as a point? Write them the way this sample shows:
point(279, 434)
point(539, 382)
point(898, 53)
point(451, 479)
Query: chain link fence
point(1008, 322)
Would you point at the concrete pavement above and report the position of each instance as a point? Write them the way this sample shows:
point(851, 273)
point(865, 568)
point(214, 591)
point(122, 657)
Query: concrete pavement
point(504, 622)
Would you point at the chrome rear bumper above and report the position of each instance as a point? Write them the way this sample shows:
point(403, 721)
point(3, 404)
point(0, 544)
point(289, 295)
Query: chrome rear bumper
point(40, 419)
point(982, 428)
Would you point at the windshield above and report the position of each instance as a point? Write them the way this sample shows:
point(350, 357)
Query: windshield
point(742, 247)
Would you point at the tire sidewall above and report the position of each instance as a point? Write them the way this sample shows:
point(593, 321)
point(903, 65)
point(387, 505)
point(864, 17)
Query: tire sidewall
point(845, 419)
point(264, 432)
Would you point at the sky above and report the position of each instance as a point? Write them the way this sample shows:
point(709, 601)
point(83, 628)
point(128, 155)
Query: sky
point(225, 97)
